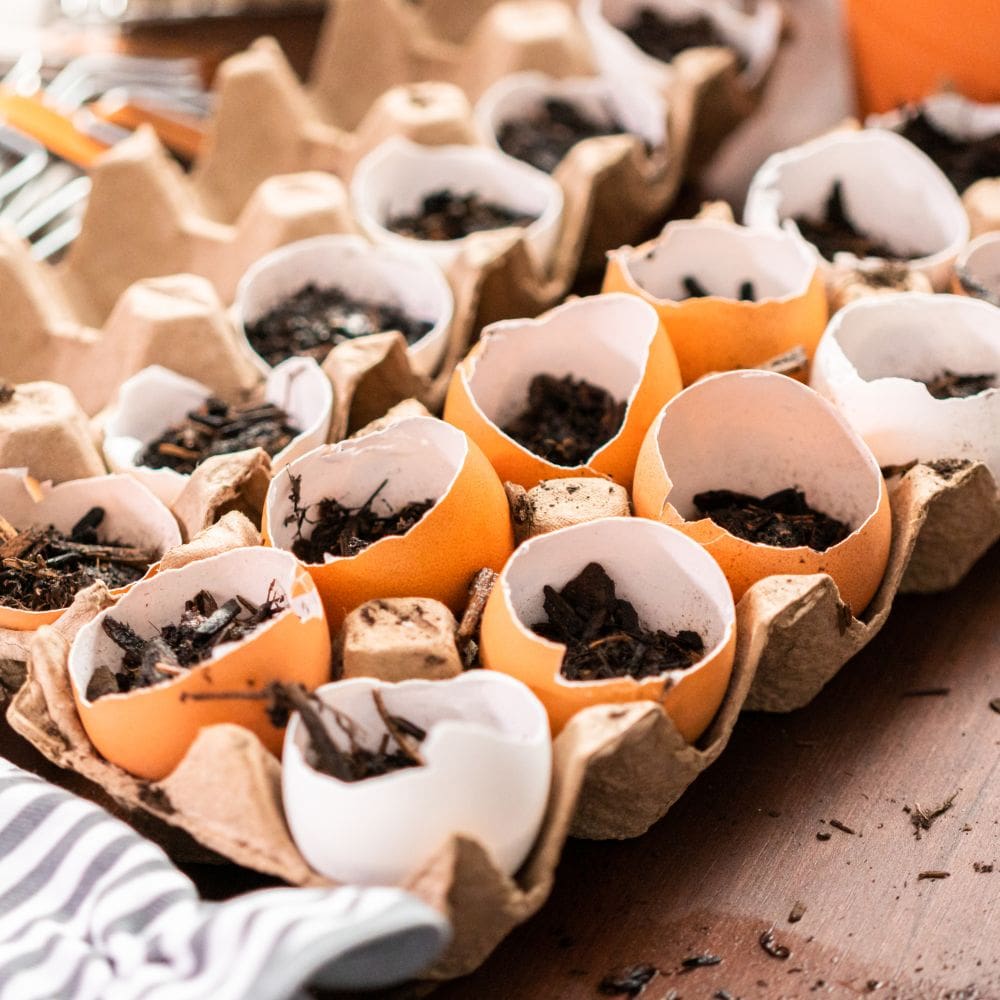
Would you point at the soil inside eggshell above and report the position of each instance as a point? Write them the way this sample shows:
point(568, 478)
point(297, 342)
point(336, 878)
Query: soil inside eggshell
point(314, 320)
point(551, 131)
point(783, 518)
point(664, 38)
point(178, 646)
point(566, 419)
point(218, 428)
point(339, 530)
point(696, 290)
point(963, 161)
point(43, 569)
point(6, 392)
point(949, 385)
point(447, 215)
point(835, 232)
point(603, 635)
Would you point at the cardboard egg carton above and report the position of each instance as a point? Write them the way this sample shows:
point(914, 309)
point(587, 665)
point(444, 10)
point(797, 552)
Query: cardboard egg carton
point(617, 768)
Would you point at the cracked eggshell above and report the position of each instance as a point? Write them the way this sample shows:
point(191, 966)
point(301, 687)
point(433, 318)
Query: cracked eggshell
point(892, 191)
point(757, 432)
point(132, 514)
point(486, 776)
point(754, 34)
point(640, 109)
point(466, 529)
point(614, 341)
point(719, 332)
point(977, 270)
point(380, 274)
point(397, 175)
point(874, 351)
point(148, 731)
point(156, 398)
point(673, 584)
point(957, 116)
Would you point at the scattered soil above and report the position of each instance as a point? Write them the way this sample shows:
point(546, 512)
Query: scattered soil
point(696, 290)
point(783, 519)
point(566, 419)
point(949, 385)
point(629, 981)
point(663, 39)
point(964, 161)
point(923, 819)
point(555, 127)
point(314, 320)
point(772, 947)
point(203, 625)
point(445, 215)
point(216, 428)
point(701, 961)
point(797, 913)
point(933, 875)
point(843, 827)
point(835, 232)
point(346, 531)
point(603, 635)
point(43, 569)
point(6, 392)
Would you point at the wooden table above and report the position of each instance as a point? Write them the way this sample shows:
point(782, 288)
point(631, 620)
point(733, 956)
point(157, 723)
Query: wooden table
point(742, 847)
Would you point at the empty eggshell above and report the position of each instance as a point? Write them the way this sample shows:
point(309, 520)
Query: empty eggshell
point(875, 351)
point(397, 175)
point(486, 774)
point(754, 34)
point(718, 332)
point(758, 432)
point(147, 731)
point(640, 109)
point(418, 458)
point(379, 274)
point(977, 270)
point(673, 585)
point(132, 515)
point(156, 398)
point(892, 191)
point(614, 341)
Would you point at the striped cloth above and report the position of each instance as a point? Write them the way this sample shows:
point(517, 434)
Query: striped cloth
point(89, 909)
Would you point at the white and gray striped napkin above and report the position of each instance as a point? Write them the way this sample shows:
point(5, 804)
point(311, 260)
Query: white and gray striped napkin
point(89, 910)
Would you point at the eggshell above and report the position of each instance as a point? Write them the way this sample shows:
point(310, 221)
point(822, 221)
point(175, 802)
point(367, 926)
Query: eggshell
point(148, 731)
point(892, 191)
point(757, 432)
point(132, 514)
point(396, 176)
point(488, 763)
point(156, 398)
point(948, 112)
point(641, 109)
point(419, 458)
point(754, 34)
point(392, 275)
point(719, 332)
point(614, 341)
point(670, 580)
point(874, 350)
point(977, 270)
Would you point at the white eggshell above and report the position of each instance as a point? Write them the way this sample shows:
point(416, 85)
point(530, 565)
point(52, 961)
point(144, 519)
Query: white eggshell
point(156, 398)
point(486, 776)
point(893, 192)
point(951, 113)
point(388, 274)
point(396, 176)
point(978, 268)
point(875, 348)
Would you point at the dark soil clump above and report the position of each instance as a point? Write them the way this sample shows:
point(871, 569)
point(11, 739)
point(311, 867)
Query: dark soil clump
point(314, 320)
point(216, 428)
point(949, 385)
point(203, 625)
point(445, 215)
point(43, 569)
point(603, 635)
point(663, 39)
point(835, 232)
point(544, 138)
point(783, 519)
point(694, 289)
point(566, 419)
point(963, 161)
point(346, 531)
